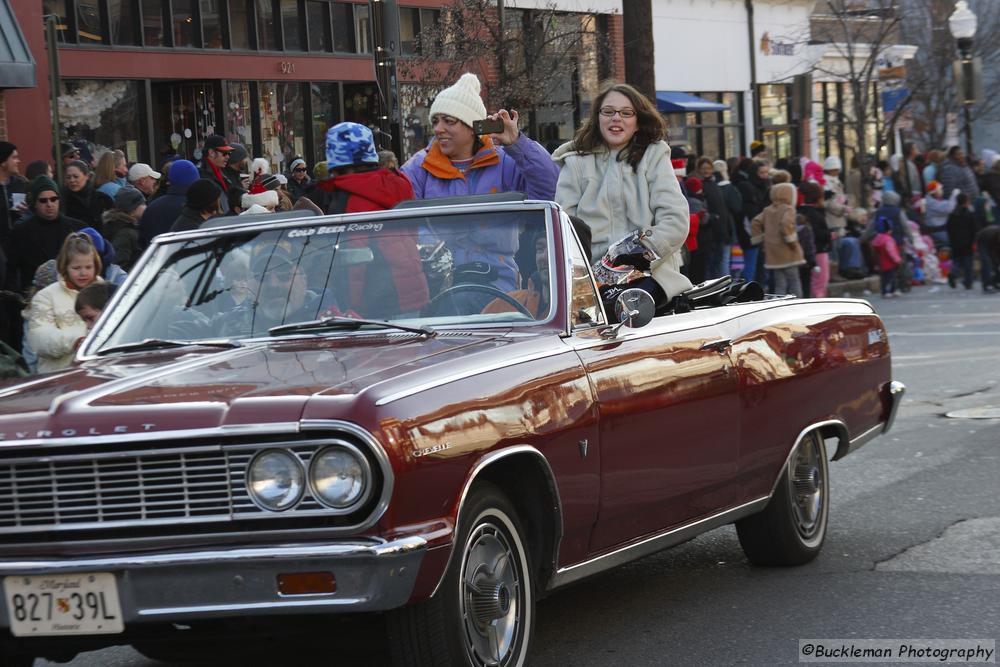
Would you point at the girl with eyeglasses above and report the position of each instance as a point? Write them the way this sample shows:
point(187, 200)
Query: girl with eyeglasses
point(617, 176)
point(55, 329)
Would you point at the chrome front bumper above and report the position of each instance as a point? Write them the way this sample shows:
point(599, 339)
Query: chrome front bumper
point(371, 575)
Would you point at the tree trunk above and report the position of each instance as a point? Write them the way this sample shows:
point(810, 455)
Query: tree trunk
point(637, 26)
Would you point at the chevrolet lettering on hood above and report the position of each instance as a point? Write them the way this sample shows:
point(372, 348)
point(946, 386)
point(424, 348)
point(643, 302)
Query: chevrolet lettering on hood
point(73, 432)
point(284, 417)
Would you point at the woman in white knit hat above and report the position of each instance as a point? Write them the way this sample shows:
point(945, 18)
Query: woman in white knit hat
point(458, 162)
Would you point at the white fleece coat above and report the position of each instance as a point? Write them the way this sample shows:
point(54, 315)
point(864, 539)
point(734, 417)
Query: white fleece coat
point(613, 199)
point(54, 326)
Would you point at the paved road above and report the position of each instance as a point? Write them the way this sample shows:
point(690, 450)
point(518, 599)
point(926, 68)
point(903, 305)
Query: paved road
point(913, 550)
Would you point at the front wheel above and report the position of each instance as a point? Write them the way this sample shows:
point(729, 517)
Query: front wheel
point(791, 529)
point(484, 612)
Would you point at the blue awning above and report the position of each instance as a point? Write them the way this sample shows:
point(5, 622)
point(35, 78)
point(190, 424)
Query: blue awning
point(672, 101)
point(17, 67)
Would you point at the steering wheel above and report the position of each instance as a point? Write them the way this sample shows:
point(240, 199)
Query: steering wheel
point(431, 306)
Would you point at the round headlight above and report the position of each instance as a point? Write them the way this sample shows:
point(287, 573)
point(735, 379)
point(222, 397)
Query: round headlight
point(339, 476)
point(275, 480)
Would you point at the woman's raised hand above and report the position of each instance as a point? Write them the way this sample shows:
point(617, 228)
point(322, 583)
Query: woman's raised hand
point(510, 132)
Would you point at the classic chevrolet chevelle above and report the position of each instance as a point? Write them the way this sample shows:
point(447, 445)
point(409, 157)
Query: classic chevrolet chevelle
point(423, 412)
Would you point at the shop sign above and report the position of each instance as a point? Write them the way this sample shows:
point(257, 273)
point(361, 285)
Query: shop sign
point(769, 47)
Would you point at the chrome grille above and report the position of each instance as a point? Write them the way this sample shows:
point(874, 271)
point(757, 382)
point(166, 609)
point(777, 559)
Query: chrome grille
point(76, 491)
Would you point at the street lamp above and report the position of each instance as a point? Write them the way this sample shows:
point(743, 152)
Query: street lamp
point(962, 23)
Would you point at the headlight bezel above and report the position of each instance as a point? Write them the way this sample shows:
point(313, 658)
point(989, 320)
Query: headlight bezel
point(368, 478)
point(299, 465)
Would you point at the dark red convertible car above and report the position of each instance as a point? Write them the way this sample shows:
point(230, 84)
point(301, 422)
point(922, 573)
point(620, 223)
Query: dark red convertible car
point(422, 412)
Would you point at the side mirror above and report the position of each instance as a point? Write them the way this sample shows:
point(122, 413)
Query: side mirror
point(634, 308)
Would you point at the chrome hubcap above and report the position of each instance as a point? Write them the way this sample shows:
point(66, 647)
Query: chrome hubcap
point(491, 596)
point(807, 487)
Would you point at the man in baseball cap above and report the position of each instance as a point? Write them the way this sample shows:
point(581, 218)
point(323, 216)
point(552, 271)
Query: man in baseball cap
point(143, 177)
point(215, 157)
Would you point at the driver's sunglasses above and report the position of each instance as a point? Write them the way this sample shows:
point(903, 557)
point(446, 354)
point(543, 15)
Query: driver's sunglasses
point(47, 200)
point(610, 112)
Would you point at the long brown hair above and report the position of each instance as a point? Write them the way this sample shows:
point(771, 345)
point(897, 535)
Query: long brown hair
point(105, 172)
point(649, 127)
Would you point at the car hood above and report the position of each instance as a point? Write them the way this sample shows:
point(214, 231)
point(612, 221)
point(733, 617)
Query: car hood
point(192, 388)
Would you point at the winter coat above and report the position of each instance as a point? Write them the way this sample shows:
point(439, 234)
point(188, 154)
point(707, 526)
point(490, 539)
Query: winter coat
point(817, 221)
point(161, 214)
point(33, 241)
point(8, 216)
point(805, 235)
point(87, 206)
point(988, 241)
point(110, 189)
point(754, 192)
point(188, 219)
point(524, 166)
point(404, 288)
point(775, 228)
point(722, 231)
point(614, 199)
point(886, 251)
point(962, 229)
point(938, 210)
point(222, 179)
point(897, 219)
point(122, 231)
point(296, 189)
point(54, 326)
point(953, 175)
point(991, 184)
point(836, 206)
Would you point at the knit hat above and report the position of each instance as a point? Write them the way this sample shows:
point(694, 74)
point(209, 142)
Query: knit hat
point(890, 198)
point(95, 237)
point(45, 275)
point(756, 147)
point(680, 166)
point(40, 185)
point(320, 170)
point(934, 186)
point(263, 198)
point(128, 199)
point(721, 168)
point(238, 154)
point(201, 194)
point(84, 148)
point(297, 162)
point(348, 144)
point(182, 174)
point(831, 163)
point(812, 192)
point(269, 182)
point(461, 101)
point(6, 149)
point(255, 209)
point(694, 185)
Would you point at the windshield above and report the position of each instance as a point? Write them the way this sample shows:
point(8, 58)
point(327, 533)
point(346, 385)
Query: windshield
point(459, 269)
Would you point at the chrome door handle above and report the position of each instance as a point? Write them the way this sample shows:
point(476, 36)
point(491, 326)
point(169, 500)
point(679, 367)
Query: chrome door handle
point(718, 345)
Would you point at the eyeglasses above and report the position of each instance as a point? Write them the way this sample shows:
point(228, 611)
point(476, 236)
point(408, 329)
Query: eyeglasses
point(47, 200)
point(299, 170)
point(610, 112)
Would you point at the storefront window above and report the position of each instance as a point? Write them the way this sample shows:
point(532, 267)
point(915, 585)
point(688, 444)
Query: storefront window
point(57, 8)
point(88, 22)
point(282, 122)
point(239, 24)
point(319, 26)
point(360, 103)
point(343, 27)
point(123, 22)
point(290, 25)
point(362, 29)
point(238, 110)
point(105, 113)
point(326, 113)
point(152, 23)
point(184, 113)
point(183, 23)
point(774, 105)
point(211, 27)
point(267, 38)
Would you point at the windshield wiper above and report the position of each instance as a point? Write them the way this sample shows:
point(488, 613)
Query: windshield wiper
point(162, 344)
point(346, 323)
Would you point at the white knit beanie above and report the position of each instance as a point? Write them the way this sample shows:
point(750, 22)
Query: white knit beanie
point(722, 168)
point(832, 162)
point(260, 164)
point(266, 198)
point(461, 101)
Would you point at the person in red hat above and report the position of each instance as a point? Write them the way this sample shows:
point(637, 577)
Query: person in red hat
point(215, 157)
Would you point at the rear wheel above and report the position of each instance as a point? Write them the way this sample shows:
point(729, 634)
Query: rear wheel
point(483, 614)
point(792, 528)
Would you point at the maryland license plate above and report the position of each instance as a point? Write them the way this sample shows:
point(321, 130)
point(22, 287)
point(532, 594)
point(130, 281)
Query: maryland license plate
point(63, 604)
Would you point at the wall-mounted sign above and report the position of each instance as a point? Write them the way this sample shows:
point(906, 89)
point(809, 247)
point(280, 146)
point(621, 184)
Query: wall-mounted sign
point(286, 67)
point(769, 47)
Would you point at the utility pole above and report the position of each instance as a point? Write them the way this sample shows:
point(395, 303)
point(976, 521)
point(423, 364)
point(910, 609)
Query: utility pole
point(637, 26)
point(384, 18)
point(54, 82)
